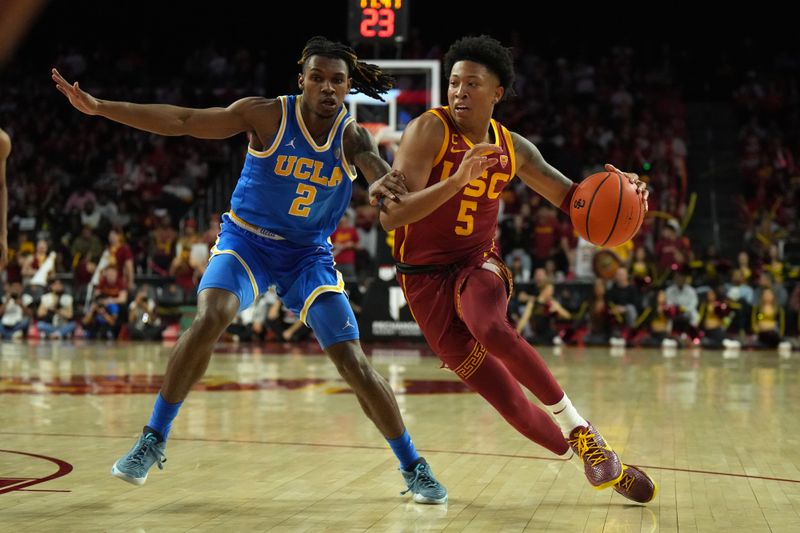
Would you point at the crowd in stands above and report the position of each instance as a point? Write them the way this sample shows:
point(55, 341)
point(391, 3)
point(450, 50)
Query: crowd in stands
point(101, 244)
point(664, 291)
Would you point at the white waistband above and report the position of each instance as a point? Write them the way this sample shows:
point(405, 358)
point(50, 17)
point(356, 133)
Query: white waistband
point(261, 232)
point(491, 267)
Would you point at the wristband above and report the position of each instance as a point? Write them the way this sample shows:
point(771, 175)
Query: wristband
point(568, 199)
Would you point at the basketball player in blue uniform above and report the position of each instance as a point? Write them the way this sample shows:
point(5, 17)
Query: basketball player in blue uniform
point(295, 186)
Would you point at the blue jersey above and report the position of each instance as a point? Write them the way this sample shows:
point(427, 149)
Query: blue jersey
point(296, 188)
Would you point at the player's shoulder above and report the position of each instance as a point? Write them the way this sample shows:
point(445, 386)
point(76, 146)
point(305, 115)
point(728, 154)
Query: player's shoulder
point(356, 138)
point(518, 140)
point(428, 127)
point(524, 149)
point(257, 104)
point(264, 115)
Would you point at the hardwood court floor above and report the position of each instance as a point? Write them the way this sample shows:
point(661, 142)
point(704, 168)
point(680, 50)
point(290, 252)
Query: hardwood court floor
point(272, 440)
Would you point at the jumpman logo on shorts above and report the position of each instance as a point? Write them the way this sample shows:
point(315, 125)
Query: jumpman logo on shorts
point(348, 324)
point(291, 143)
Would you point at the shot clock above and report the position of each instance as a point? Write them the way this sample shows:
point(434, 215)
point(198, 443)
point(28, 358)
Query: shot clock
point(377, 21)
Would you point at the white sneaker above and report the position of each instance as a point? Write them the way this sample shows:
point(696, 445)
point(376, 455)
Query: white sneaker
point(731, 344)
point(785, 346)
point(557, 341)
point(616, 341)
point(16, 335)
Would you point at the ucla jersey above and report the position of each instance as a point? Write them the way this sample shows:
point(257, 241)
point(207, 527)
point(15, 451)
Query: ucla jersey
point(296, 189)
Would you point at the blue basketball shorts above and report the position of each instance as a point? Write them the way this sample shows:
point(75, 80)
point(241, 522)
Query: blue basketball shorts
point(246, 264)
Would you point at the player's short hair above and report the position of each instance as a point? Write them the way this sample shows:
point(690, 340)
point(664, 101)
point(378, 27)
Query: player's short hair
point(488, 52)
point(366, 78)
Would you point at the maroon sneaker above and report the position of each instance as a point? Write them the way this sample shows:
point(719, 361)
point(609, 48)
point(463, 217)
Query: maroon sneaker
point(600, 463)
point(636, 485)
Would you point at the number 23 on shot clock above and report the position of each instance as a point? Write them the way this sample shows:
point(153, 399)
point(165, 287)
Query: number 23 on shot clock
point(377, 20)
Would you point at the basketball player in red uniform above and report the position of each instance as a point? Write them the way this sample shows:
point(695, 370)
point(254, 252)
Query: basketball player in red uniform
point(456, 161)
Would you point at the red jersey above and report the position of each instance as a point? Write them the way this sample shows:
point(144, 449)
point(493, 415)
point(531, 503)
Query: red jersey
point(465, 224)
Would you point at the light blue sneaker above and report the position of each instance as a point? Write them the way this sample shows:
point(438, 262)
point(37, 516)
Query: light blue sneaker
point(422, 484)
point(133, 467)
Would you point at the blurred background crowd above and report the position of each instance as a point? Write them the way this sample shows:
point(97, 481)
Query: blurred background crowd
point(110, 228)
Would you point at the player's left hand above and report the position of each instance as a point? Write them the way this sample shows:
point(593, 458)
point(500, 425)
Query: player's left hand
point(390, 185)
point(641, 186)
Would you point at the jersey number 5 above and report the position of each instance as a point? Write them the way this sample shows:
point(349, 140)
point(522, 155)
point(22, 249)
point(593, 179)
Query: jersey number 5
point(466, 218)
point(305, 197)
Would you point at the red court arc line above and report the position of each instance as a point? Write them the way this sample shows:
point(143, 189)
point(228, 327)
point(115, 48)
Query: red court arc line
point(64, 468)
point(368, 447)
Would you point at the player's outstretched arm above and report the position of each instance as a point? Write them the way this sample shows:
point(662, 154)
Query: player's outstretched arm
point(163, 119)
point(5, 151)
point(419, 146)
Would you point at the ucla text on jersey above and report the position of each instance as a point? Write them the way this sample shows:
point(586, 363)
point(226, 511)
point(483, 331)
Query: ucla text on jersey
point(296, 189)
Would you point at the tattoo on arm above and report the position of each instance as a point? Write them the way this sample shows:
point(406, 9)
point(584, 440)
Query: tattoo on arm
point(529, 153)
point(365, 154)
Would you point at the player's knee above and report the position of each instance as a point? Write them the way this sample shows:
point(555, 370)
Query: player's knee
point(214, 316)
point(351, 363)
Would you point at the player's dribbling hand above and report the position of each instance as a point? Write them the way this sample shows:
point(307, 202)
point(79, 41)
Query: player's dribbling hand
point(80, 99)
point(641, 186)
point(476, 161)
point(390, 185)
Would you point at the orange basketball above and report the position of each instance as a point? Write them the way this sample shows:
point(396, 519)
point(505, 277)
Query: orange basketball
point(606, 209)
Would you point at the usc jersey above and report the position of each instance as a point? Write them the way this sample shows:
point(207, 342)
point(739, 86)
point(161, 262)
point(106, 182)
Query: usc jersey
point(465, 224)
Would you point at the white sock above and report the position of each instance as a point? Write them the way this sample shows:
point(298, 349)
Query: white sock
point(566, 416)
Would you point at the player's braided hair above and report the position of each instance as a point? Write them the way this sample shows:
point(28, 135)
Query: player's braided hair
point(367, 79)
point(488, 52)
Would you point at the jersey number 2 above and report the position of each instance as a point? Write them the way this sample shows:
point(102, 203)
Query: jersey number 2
point(300, 206)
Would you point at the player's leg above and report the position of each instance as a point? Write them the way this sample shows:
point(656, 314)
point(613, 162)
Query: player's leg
point(336, 329)
point(216, 309)
point(225, 287)
point(483, 310)
point(486, 375)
